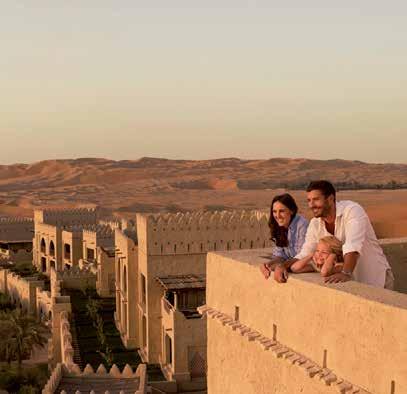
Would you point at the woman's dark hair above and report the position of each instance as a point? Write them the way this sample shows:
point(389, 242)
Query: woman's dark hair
point(279, 234)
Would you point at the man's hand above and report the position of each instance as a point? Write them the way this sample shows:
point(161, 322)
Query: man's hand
point(337, 278)
point(265, 270)
point(280, 274)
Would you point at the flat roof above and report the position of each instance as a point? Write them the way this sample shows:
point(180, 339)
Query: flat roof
point(110, 250)
point(20, 241)
point(179, 282)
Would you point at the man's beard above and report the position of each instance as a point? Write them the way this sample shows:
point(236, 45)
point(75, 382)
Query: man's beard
point(325, 211)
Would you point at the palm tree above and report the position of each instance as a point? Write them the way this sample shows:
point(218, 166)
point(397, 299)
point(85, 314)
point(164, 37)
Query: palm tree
point(6, 345)
point(24, 333)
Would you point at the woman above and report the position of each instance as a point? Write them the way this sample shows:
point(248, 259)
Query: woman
point(287, 229)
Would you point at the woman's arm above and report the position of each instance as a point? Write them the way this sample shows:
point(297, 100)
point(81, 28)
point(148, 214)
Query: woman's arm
point(302, 265)
point(267, 268)
point(300, 235)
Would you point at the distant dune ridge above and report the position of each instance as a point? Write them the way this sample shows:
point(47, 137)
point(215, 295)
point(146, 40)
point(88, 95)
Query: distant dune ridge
point(154, 184)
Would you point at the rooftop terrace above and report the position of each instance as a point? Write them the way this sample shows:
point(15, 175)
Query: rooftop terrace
point(304, 335)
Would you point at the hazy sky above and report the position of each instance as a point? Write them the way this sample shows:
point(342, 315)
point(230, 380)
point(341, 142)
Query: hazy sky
point(203, 79)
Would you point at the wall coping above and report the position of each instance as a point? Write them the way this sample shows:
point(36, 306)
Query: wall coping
point(255, 257)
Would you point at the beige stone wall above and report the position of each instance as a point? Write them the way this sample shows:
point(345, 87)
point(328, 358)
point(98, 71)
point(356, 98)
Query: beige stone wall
point(50, 235)
point(396, 253)
point(17, 253)
point(3, 280)
point(61, 351)
point(77, 278)
point(177, 244)
point(356, 331)
point(127, 290)
point(201, 232)
point(105, 274)
point(66, 217)
point(22, 291)
point(16, 229)
point(89, 242)
point(44, 304)
point(188, 340)
point(49, 224)
point(73, 238)
point(237, 365)
point(102, 235)
point(151, 267)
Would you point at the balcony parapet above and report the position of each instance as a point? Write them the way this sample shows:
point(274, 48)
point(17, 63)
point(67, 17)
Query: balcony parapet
point(350, 330)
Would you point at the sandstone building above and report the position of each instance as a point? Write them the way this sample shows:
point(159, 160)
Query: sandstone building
point(57, 237)
point(16, 239)
point(160, 281)
point(162, 268)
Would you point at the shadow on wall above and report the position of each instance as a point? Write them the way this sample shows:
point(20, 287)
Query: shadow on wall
point(397, 255)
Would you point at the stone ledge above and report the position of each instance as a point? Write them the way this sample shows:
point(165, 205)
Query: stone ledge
point(255, 257)
point(309, 367)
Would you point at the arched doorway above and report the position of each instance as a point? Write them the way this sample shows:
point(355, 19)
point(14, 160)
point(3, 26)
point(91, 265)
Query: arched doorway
point(43, 246)
point(52, 248)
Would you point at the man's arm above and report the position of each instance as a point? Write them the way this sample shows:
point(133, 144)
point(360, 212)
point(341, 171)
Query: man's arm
point(350, 260)
point(311, 239)
point(355, 234)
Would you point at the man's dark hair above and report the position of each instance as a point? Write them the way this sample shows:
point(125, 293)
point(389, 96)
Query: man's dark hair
point(325, 187)
point(280, 234)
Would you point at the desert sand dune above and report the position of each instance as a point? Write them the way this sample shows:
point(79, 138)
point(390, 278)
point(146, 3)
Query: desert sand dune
point(154, 184)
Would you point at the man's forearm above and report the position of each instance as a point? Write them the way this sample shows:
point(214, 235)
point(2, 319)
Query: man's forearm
point(288, 263)
point(349, 261)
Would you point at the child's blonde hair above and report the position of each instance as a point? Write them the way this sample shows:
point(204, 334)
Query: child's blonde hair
point(335, 245)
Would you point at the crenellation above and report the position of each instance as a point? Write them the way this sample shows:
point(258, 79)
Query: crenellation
point(202, 232)
point(15, 219)
point(71, 216)
point(22, 291)
point(99, 233)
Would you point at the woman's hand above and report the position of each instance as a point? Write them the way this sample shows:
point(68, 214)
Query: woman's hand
point(280, 274)
point(265, 270)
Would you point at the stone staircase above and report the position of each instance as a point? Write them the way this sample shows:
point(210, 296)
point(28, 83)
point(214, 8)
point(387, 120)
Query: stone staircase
point(77, 354)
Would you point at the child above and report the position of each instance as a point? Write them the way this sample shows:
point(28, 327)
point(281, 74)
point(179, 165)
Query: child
point(327, 258)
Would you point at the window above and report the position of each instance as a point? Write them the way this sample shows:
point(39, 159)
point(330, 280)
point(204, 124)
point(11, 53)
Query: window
point(168, 349)
point(67, 251)
point(144, 333)
point(143, 288)
point(90, 254)
point(43, 264)
point(125, 280)
point(52, 248)
point(42, 247)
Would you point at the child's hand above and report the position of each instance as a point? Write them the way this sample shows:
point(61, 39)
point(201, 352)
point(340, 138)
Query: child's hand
point(319, 264)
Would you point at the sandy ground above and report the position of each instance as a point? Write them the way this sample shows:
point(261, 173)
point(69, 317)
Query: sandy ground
point(123, 188)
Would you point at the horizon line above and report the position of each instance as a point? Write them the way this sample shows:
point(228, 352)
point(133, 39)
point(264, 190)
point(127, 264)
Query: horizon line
point(192, 160)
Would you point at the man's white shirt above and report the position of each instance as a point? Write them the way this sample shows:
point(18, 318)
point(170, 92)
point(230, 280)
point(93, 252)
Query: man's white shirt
point(353, 228)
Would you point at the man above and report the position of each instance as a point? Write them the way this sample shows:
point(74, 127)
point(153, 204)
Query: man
point(364, 260)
